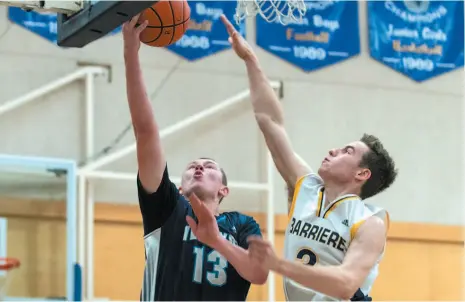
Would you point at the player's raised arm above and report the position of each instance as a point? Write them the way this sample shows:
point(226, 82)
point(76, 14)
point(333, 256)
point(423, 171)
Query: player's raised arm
point(158, 196)
point(150, 158)
point(268, 111)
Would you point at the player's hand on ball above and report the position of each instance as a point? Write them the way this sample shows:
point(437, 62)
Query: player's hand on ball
point(206, 230)
point(238, 43)
point(262, 252)
point(131, 33)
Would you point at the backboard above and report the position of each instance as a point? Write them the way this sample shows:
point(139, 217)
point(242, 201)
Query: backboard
point(81, 22)
point(95, 20)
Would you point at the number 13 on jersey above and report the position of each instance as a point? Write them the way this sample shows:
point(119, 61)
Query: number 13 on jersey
point(217, 276)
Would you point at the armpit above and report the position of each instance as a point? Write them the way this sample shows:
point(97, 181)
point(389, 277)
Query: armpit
point(290, 196)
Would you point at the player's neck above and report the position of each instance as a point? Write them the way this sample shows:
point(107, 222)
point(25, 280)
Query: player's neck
point(333, 192)
point(213, 206)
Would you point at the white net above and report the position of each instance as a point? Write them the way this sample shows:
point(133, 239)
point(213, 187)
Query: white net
point(282, 11)
point(5, 277)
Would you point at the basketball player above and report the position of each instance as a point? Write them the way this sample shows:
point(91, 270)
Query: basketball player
point(334, 241)
point(178, 266)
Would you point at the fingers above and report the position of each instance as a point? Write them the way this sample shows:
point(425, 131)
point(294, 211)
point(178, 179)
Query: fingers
point(229, 27)
point(142, 26)
point(258, 246)
point(255, 239)
point(199, 208)
point(134, 20)
point(192, 224)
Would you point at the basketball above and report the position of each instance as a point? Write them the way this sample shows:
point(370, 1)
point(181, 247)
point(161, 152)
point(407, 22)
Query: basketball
point(167, 22)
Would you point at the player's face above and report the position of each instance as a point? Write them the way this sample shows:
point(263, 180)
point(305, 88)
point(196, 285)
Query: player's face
point(342, 165)
point(203, 177)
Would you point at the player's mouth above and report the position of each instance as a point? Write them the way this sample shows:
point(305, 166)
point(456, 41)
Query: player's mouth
point(198, 175)
point(325, 160)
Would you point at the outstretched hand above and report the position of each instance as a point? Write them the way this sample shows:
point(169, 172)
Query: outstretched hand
point(206, 230)
point(262, 253)
point(131, 33)
point(238, 43)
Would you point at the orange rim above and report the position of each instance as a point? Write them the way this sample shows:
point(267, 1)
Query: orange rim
point(8, 263)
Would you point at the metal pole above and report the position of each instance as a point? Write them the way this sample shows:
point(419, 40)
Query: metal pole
point(270, 228)
point(46, 89)
point(183, 124)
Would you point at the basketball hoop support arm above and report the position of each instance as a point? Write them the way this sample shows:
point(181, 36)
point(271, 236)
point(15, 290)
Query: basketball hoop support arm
point(34, 95)
point(90, 171)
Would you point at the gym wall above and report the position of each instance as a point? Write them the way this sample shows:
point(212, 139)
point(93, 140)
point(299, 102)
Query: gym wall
point(412, 253)
point(419, 123)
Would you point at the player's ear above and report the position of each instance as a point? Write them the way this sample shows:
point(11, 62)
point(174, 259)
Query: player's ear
point(224, 191)
point(363, 174)
point(180, 190)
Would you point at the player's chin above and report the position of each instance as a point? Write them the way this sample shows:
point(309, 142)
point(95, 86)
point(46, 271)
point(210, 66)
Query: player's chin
point(323, 171)
point(199, 189)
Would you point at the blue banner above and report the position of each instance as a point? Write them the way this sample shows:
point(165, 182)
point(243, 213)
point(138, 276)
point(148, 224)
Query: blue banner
point(206, 34)
point(420, 39)
point(43, 24)
point(328, 34)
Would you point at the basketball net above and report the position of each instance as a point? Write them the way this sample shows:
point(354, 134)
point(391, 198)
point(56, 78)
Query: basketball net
point(7, 267)
point(282, 11)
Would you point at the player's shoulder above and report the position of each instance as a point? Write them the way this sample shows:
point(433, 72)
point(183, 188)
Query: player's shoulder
point(238, 218)
point(362, 212)
point(310, 179)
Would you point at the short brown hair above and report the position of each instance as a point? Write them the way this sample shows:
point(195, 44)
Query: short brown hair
point(381, 165)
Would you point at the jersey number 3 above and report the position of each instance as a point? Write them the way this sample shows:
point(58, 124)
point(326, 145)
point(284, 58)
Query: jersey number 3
point(217, 276)
point(307, 256)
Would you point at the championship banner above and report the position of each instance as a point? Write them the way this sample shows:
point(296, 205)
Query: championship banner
point(420, 39)
point(43, 24)
point(206, 34)
point(327, 34)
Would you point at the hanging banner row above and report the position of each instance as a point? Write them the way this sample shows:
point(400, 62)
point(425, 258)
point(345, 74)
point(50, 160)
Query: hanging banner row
point(420, 39)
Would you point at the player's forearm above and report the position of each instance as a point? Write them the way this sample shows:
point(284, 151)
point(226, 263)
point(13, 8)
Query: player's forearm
point(330, 280)
point(239, 258)
point(139, 103)
point(264, 100)
point(150, 157)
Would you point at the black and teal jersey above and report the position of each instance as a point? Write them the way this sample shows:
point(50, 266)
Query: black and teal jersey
point(177, 265)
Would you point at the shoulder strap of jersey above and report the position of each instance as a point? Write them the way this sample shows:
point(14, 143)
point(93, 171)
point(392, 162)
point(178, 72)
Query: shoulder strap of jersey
point(310, 179)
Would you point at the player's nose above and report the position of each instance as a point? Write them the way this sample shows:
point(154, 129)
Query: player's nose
point(198, 168)
point(333, 152)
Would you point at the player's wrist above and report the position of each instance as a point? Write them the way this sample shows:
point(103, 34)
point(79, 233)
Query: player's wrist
point(219, 243)
point(131, 53)
point(279, 266)
point(250, 59)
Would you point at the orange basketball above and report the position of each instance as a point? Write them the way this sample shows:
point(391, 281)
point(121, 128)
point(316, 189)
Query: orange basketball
point(168, 21)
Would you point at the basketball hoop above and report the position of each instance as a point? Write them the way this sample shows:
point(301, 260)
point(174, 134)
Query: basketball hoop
point(7, 265)
point(282, 11)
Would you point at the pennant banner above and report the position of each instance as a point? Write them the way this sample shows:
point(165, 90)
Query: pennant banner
point(206, 34)
point(43, 24)
point(420, 39)
point(328, 34)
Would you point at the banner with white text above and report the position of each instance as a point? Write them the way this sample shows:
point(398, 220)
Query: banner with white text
point(206, 34)
point(43, 24)
point(420, 39)
point(328, 34)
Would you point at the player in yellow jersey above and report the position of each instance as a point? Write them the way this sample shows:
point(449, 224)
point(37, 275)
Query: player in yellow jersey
point(334, 241)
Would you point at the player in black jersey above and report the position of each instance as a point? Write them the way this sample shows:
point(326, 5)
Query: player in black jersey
point(178, 266)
